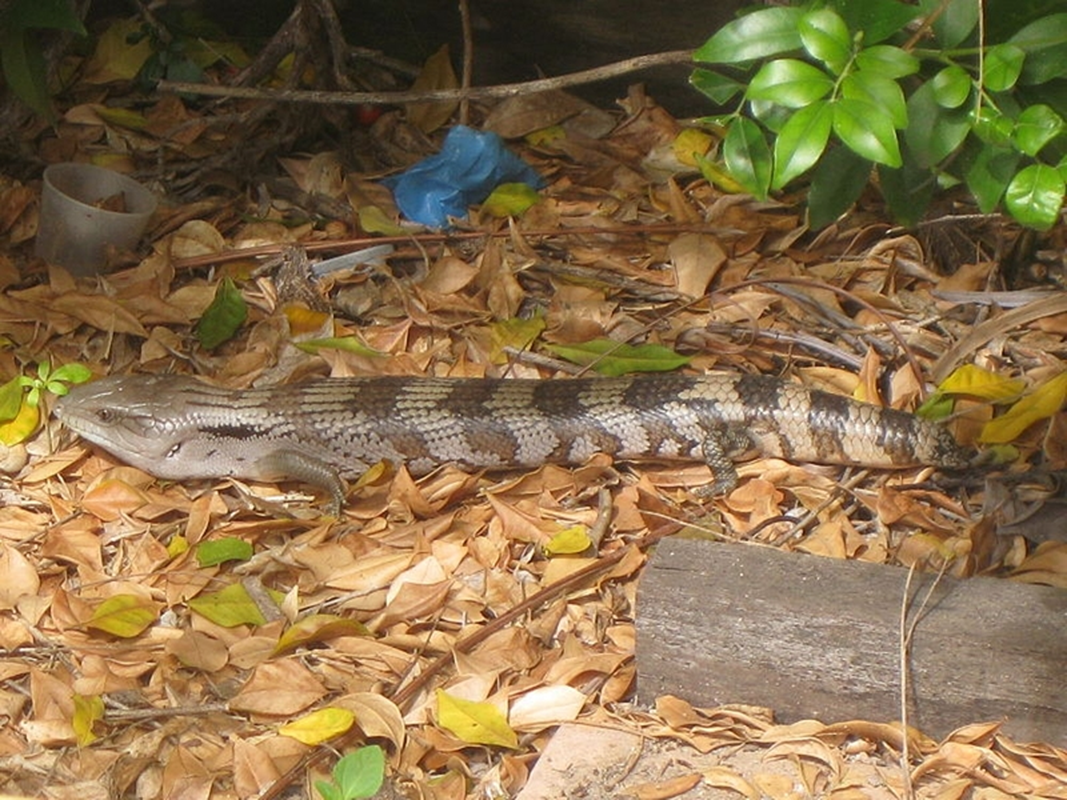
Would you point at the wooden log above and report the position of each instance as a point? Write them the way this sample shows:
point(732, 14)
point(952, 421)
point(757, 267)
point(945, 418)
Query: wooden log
point(818, 638)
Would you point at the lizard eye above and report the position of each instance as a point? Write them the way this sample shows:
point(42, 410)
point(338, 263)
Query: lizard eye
point(173, 451)
point(104, 415)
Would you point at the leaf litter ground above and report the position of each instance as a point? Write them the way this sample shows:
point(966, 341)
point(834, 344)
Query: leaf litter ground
point(134, 666)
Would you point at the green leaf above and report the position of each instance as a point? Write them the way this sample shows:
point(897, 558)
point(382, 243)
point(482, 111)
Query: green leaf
point(878, 19)
point(789, 82)
point(956, 19)
point(360, 774)
point(1045, 43)
point(867, 130)
point(761, 34)
point(223, 318)
point(770, 115)
point(474, 723)
point(801, 142)
point(933, 132)
point(835, 184)
point(878, 91)
point(887, 61)
point(907, 190)
point(123, 615)
point(217, 551)
point(825, 36)
point(992, 127)
point(951, 86)
point(71, 373)
point(1035, 195)
point(1036, 126)
point(748, 157)
point(21, 57)
point(609, 357)
point(987, 174)
point(1002, 67)
point(719, 88)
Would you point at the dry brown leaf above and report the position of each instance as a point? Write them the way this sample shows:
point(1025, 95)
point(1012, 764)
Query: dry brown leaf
point(279, 688)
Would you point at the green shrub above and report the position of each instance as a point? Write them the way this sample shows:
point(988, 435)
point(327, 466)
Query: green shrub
point(922, 94)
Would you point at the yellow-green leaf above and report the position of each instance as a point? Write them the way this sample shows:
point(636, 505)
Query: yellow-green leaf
point(977, 382)
point(22, 426)
point(1040, 404)
point(319, 726)
point(88, 710)
point(218, 551)
point(515, 333)
point(474, 723)
point(544, 136)
point(11, 395)
point(718, 176)
point(510, 199)
point(176, 546)
point(373, 220)
point(122, 117)
point(569, 542)
point(318, 628)
point(231, 606)
point(124, 615)
point(609, 357)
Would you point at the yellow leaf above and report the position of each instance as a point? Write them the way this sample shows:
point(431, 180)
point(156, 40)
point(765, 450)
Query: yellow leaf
point(690, 144)
point(1040, 404)
point(302, 320)
point(977, 382)
point(20, 428)
point(124, 615)
point(569, 542)
point(87, 712)
point(319, 726)
point(474, 723)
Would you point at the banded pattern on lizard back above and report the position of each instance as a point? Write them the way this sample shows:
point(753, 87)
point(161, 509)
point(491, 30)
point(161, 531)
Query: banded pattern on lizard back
point(321, 431)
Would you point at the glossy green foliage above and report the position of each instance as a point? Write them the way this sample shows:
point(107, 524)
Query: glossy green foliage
point(834, 89)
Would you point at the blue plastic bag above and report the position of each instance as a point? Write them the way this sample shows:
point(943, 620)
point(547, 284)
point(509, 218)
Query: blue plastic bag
point(470, 165)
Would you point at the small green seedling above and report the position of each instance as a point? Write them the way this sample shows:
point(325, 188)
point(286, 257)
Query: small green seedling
point(358, 775)
point(21, 396)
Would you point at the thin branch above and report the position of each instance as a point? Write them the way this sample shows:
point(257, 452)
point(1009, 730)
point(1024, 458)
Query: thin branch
point(468, 60)
point(396, 98)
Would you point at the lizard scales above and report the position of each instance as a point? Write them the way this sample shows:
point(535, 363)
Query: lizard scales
point(327, 430)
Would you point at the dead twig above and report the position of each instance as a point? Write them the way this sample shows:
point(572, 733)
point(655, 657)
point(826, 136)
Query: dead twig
point(583, 77)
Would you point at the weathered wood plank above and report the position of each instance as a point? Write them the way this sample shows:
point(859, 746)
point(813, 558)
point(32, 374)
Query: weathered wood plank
point(818, 638)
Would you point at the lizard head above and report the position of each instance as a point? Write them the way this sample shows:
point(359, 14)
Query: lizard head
point(132, 417)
